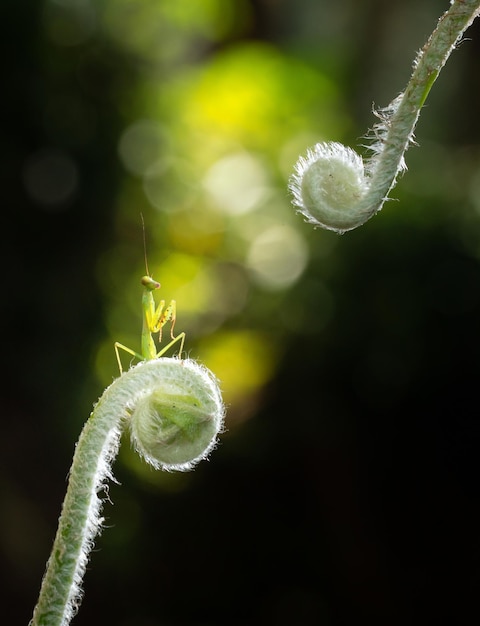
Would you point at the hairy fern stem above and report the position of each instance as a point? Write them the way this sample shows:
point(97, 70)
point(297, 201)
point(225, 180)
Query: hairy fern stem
point(198, 416)
point(332, 186)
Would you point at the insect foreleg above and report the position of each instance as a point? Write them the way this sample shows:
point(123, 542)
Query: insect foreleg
point(169, 315)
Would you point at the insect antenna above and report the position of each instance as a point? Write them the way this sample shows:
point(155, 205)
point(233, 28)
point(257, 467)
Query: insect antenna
point(144, 245)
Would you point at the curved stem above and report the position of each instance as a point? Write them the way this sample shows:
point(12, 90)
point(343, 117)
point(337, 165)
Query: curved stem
point(401, 125)
point(80, 521)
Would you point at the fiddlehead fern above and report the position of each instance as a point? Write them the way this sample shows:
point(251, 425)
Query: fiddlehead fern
point(332, 186)
point(175, 411)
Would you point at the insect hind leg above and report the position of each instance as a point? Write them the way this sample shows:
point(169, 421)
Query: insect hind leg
point(179, 338)
point(118, 346)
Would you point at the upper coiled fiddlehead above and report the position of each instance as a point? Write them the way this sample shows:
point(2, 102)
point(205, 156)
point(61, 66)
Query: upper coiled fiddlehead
point(332, 186)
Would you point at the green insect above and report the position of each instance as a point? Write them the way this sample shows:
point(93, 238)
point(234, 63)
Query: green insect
point(154, 319)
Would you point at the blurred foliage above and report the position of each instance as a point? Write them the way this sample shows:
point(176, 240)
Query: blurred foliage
point(345, 486)
point(207, 152)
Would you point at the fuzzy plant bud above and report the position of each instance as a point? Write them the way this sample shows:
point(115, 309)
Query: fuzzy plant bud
point(175, 424)
point(331, 186)
point(175, 412)
point(328, 186)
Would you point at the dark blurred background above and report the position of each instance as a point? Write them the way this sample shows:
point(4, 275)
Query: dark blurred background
point(345, 489)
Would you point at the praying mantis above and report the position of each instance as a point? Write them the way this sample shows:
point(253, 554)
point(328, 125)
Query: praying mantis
point(154, 319)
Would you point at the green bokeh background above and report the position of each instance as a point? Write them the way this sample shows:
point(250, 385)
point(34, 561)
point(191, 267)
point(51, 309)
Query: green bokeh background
point(345, 489)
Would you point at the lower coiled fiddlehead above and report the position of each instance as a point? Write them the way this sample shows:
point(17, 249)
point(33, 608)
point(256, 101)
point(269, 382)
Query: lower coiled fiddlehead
point(175, 412)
